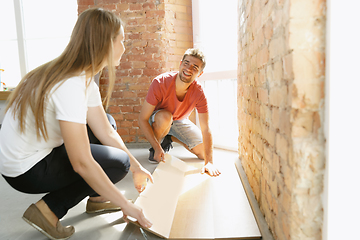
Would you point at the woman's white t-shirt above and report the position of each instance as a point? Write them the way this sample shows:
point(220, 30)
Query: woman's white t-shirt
point(19, 152)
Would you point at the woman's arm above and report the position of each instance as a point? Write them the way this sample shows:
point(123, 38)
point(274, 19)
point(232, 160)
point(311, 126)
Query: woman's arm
point(78, 149)
point(106, 134)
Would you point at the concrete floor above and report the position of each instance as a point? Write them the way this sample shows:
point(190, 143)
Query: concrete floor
point(95, 226)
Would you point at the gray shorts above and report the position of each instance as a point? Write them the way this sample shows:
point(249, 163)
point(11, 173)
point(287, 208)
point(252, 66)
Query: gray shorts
point(184, 130)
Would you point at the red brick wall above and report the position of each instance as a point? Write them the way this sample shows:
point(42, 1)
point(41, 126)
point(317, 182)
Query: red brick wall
point(157, 33)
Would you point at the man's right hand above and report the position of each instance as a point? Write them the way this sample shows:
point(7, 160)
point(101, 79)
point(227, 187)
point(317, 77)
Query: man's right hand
point(159, 155)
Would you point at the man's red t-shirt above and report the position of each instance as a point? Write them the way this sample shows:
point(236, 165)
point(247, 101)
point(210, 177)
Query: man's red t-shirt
point(162, 95)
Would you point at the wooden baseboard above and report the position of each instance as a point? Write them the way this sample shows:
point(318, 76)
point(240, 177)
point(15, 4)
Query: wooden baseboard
point(263, 226)
point(4, 95)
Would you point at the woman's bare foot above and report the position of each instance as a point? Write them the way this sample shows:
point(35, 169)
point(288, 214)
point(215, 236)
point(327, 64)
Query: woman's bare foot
point(46, 211)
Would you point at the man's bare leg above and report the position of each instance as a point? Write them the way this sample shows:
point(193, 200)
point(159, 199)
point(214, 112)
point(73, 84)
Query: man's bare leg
point(162, 124)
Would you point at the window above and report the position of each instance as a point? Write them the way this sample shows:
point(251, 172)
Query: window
point(33, 32)
point(215, 33)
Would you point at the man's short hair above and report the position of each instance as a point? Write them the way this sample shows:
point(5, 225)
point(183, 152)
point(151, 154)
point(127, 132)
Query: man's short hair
point(195, 53)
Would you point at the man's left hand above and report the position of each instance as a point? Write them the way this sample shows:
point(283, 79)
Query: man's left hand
point(211, 170)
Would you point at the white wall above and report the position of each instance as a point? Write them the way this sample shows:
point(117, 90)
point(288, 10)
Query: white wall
point(341, 199)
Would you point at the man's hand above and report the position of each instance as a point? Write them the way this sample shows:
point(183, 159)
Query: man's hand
point(211, 170)
point(159, 155)
point(140, 176)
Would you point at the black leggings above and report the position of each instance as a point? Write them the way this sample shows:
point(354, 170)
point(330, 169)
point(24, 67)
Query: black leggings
point(65, 188)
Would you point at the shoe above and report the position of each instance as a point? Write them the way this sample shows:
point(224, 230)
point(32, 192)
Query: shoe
point(35, 218)
point(98, 207)
point(151, 156)
point(166, 143)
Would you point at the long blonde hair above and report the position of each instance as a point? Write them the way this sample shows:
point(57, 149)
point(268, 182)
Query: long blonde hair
point(91, 43)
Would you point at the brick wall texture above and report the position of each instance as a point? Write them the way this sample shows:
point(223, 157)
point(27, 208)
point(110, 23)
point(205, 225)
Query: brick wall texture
point(281, 53)
point(157, 33)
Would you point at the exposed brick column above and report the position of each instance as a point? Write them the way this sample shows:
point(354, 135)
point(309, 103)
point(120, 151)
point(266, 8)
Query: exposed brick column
point(157, 34)
point(280, 98)
point(178, 17)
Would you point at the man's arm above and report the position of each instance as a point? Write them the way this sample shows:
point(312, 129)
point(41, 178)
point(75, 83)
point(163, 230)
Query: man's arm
point(207, 137)
point(208, 145)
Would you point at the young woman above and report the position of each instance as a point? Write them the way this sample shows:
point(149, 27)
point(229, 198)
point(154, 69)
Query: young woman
point(44, 145)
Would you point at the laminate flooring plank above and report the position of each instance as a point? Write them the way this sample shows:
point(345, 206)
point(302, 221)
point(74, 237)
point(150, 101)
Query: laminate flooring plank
point(159, 200)
point(185, 204)
point(232, 212)
point(194, 216)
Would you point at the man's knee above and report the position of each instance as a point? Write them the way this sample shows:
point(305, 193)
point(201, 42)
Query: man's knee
point(200, 156)
point(111, 121)
point(199, 151)
point(163, 119)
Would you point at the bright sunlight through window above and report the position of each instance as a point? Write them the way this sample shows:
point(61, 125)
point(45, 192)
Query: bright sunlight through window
point(33, 32)
point(215, 32)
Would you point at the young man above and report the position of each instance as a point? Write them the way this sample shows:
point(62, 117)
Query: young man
point(171, 98)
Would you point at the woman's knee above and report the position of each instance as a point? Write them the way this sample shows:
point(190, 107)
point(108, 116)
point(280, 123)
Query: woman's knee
point(121, 161)
point(118, 168)
point(111, 158)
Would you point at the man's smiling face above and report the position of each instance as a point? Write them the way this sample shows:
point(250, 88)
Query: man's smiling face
point(190, 69)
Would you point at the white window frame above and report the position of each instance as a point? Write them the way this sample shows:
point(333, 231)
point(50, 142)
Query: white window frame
point(20, 37)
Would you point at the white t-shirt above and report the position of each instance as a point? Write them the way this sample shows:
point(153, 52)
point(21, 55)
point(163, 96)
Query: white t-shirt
point(19, 152)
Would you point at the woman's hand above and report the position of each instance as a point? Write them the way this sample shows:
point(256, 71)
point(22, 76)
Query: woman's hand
point(136, 212)
point(140, 176)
